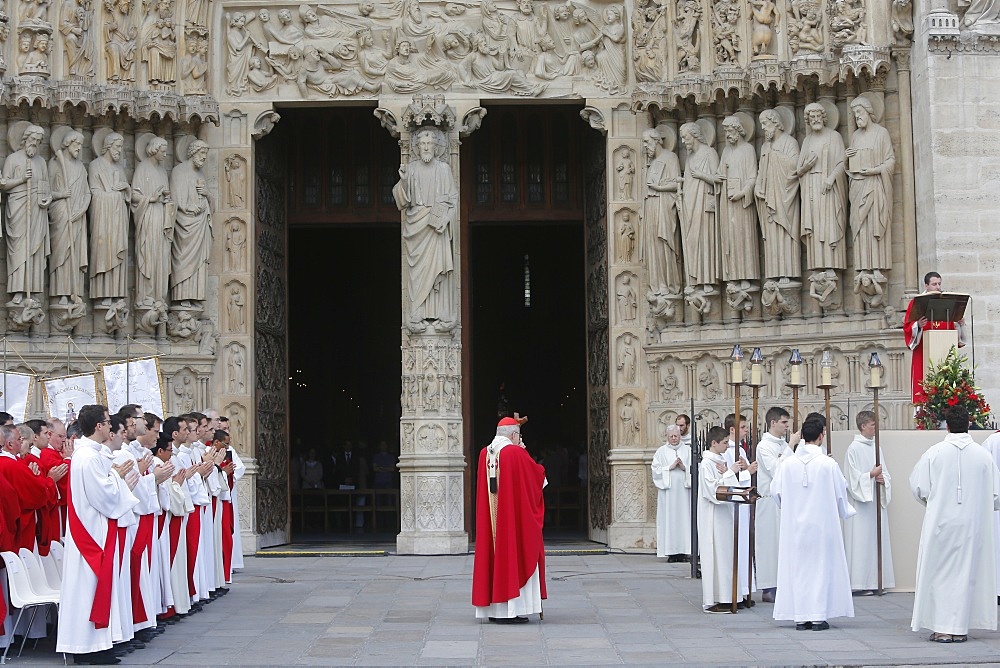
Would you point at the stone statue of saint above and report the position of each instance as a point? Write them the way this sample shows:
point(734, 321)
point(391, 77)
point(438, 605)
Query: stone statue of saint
point(427, 195)
point(737, 214)
point(659, 216)
point(629, 417)
point(699, 225)
point(109, 221)
point(823, 188)
point(870, 161)
point(154, 213)
point(68, 217)
point(192, 245)
point(777, 193)
point(26, 182)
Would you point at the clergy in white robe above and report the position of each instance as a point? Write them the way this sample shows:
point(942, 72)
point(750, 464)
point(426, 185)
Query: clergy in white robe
point(992, 445)
point(715, 524)
point(860, 533)
point(771, 449)
point(956, 562)
point(200, 497)
point(206, 541)
point(810, 490)
point(733, 455)
point(671, 476)
point(89, 616)
point(239, 468)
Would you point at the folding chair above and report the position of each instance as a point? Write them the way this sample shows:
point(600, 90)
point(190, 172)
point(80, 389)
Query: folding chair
point(53, 574)
point(21, 595)
point(36, 575)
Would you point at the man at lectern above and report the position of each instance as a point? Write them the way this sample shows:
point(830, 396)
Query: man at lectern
point(913, 330)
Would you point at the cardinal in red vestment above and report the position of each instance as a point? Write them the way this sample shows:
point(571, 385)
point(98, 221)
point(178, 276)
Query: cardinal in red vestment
point(913, 331)
point(508, 576)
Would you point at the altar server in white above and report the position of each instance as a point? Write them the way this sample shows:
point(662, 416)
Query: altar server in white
point(992, 445)
point(672, 478)
point(100, 494)
point(860, 531)
point(715, 523)
point(811, 492)
point(770, 452)
point(959, 483)
point(737, 452)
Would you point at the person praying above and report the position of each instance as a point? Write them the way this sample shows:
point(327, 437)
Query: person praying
point(715, 523)
point(671, 466)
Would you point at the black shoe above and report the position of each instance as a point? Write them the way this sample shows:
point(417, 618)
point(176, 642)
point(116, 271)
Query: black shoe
point(509, 620)
point(136, 643)
point(820, 626)
point(222, 591)
point(104, 658)
point(672, 559)
point(803, 626)
point(741, 605)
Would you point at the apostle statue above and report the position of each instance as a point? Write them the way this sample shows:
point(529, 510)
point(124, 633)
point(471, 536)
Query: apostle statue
point(823, 188)
point(109, 221)
point(699, 226)
point(26, 182)
point(870, 161)
point(777, 193)
point(427, 195)
point(68, 216)
point(154, 213)
point(659, 216)
point(192, 239)
point(737, 214)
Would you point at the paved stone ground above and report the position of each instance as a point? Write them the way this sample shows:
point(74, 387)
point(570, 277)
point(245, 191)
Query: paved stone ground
point(602, 610)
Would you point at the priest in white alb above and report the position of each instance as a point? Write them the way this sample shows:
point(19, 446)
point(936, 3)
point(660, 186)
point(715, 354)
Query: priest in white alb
point(811, 492)
point(959, 483)
point(860, 531)
point(770, 452)
point(100, 493)
point(671, 476)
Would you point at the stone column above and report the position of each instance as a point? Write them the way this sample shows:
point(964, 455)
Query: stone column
point(232, 325)
point(632, 423)
point(432, 461)
point(910, 278)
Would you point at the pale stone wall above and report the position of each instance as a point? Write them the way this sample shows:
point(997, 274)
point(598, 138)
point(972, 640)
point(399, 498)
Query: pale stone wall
point(956, 116)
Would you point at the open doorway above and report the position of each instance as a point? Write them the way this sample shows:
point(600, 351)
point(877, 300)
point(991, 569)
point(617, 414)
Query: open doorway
point(529, 353)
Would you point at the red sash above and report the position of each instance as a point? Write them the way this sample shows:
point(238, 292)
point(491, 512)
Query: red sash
point(193, 533)
point(143, 542)
point(101, 562)
point(227, 539)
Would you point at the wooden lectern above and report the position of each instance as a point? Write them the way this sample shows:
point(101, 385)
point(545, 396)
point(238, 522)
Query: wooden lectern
point(939, 308)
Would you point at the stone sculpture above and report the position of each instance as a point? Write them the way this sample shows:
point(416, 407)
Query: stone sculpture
point(699, 222)
point(427, 195)
point(108, 219)
point(777, 193)
point(805, 27)
point(649, 40)
point(630, 421)
point(236, 366)
point(624, 173)
point(240, 44)
point(823, 190)
point(765, 16)
point(626, 299)
point(236, 242)
point(661, 248)
point(670, 387)
point(119, 41)
point(68, 217)
point(236, 309)
point(194, 64)
point(626, 359)
point(626, 238)
point(608, 47)
point(192, 242)
point(78, 39)
point(870, 287)
point(154, 212)
point(725, 32)
point(26, 182)
point(737, 178)
point(847, 22)
point(870, 161)
point(159, 44)
point(981, 12)
point(236, 181)
point(686, 35)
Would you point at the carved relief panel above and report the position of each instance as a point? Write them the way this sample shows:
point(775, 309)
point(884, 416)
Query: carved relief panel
point(629, 418)
point(235, 300)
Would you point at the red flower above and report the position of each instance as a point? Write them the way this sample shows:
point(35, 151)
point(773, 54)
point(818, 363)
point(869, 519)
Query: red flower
point(953, 401)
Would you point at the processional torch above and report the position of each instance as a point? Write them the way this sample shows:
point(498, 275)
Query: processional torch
point(736, 380)
point(795, 383)
point(826, 376)
point(875, 364)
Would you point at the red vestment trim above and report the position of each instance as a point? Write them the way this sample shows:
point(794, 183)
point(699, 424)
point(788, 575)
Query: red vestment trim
point(227, 539)
point(193, 534)
point(143, 542)
point(101, 562)
point(175, 535)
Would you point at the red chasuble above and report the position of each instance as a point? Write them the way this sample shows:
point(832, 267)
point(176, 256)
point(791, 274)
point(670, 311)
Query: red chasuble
point(501, 569)
point(50, 528)
point(32, 494)
point(9, 513)
point(917, 361)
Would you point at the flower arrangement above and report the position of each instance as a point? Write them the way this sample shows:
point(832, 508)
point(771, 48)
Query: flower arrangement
point(947, 384)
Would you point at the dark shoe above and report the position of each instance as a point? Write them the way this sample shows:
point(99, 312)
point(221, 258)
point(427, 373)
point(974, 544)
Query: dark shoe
point(136, 643)
point(222, 591)
point(720, 609)
point(672, 559)
point(509, 620)
point(741, 605)
point(962, 638)
point(803, 626)
point(821, 626)
point(864, 592)
point(749, 602)
point(96, 659)
point(941, 637)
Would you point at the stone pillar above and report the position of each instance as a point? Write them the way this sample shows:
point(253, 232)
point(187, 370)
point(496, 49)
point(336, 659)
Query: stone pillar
point(910, 279)
point(432, 461)
point(632, 423)
point(233, 324)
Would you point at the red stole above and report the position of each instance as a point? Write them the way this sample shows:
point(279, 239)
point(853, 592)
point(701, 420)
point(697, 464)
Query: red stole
point(143, 543)
point(193, 534)
point(101, 562)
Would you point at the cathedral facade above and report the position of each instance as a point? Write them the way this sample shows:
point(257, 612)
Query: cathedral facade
point(774, 173)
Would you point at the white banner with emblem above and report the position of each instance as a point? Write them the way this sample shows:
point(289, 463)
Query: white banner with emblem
point(66, 395)
point(134, 382)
